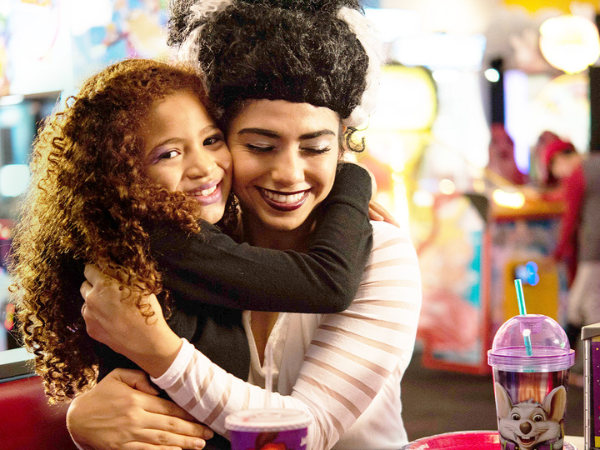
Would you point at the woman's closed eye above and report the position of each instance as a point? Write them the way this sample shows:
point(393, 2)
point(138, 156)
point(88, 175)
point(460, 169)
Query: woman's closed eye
point(316, 150)
point(260, 148)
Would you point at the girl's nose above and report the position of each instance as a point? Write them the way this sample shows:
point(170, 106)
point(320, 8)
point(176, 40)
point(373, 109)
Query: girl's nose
point(201, 163)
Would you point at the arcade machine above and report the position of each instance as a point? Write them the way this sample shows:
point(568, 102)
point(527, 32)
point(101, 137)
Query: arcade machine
point(7, 309)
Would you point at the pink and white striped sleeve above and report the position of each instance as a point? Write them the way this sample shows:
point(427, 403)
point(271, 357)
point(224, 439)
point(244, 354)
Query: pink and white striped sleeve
point(346, 366)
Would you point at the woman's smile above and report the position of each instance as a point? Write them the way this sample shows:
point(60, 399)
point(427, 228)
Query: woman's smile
point(284, 201)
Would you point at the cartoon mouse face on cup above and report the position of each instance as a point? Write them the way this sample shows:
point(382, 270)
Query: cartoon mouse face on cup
point(529, 425)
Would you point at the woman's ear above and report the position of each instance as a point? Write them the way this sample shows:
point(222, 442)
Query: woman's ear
point(342, 141)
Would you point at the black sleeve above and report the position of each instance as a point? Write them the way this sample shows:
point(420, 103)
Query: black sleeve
point(211, 268)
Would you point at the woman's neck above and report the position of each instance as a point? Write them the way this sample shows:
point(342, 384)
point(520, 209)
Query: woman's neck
point(255, 233)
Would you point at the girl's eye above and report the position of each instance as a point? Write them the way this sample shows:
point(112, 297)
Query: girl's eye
point(169, 154)
point(213, 140)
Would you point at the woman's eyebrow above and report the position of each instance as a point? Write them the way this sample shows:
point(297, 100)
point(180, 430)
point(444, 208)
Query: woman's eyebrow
point(316, 134)
point(261, 131)
point(273, 134)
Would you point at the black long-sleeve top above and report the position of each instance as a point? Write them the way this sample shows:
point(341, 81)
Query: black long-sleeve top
point(212, 279)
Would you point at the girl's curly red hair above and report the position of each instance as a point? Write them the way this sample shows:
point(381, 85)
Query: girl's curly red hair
point(91, 201)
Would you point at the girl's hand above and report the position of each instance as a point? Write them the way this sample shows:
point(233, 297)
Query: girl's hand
point(113, 318)
point(379, 213)
point(123, 411)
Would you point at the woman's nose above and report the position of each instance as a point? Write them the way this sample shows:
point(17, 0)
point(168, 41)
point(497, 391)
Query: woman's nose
point(288, 168)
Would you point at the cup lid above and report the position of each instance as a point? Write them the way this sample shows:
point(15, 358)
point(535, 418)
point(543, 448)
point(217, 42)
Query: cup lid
point(274, 419)
point(531, 343)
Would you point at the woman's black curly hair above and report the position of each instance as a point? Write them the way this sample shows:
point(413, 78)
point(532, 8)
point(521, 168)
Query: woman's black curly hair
point(298, 51)
point(90, 201)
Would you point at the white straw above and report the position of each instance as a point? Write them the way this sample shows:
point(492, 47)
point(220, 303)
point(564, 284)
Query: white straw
point(268, 374)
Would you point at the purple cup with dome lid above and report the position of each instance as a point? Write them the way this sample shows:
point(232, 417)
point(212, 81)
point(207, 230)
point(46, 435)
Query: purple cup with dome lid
point(530, 358)
point(268, 429)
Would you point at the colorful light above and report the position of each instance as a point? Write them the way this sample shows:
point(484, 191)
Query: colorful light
point(492, 75)
point(570, 43)
point(514, 200)
point(14, 179)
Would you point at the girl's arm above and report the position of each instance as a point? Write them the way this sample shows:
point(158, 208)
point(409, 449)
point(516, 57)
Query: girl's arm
point(211, 268)
point(351, 357)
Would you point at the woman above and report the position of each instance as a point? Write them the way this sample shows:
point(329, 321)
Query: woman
point(276, 96)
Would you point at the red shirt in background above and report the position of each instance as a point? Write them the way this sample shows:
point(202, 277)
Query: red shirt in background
point(573, 189)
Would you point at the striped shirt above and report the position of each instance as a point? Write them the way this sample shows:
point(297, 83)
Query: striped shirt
point(343, 369)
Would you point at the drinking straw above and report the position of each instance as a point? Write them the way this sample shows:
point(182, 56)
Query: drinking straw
point(523, 311)
point(268, 374)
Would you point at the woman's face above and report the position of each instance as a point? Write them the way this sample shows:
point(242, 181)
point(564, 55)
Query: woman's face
point(185, 151)
point(285, 156)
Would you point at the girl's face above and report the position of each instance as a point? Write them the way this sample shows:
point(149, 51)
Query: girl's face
point(285, 156)
point(185, 151)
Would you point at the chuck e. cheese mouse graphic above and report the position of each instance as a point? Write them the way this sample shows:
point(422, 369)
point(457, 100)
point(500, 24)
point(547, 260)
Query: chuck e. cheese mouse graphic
point(529, 425)
point(266, 441)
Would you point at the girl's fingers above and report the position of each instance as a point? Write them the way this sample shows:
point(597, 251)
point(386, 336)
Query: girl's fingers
point(378, 212)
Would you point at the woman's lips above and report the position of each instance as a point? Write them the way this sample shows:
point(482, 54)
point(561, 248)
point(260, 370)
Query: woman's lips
point(284, 201)
point(207, 196)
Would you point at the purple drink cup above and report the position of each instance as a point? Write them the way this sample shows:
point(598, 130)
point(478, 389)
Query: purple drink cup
point(268, 429)
point(531, 357)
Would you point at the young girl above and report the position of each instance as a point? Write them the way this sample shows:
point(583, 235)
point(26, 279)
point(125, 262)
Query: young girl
point(121, 178)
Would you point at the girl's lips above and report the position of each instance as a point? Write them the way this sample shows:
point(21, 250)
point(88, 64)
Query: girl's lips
point(207, 196)
point(283, 201)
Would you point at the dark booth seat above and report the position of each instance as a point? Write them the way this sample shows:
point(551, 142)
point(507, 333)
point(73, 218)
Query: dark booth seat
point(27, 421)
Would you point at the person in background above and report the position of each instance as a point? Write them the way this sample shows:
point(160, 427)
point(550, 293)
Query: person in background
point(579, 233)
point(502, 156)
point(539, 171)
point(555, 191)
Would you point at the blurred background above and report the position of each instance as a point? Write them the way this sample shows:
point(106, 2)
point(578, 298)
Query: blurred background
point(471, 93)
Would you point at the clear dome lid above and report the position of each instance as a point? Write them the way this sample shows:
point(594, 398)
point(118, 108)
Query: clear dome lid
point(531, 343)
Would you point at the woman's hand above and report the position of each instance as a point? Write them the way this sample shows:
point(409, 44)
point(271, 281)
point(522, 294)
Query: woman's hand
point(123, 411)
point(379, 213)
point(113, 318)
